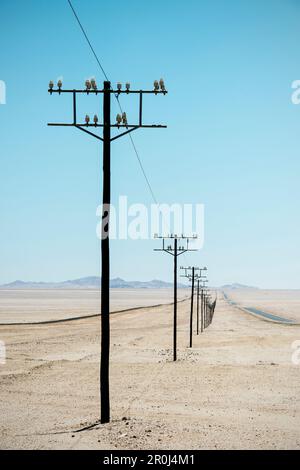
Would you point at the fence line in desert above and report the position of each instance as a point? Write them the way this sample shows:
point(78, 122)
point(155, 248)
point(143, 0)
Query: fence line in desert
point(210, 310)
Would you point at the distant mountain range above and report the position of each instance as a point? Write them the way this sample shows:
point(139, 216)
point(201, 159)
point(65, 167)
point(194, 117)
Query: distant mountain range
point(236, 285)
point(91, 282)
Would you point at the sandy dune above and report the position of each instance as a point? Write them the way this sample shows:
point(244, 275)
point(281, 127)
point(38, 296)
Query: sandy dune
point(237, 388)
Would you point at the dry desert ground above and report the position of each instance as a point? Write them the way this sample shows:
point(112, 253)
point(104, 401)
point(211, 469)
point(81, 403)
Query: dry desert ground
point(39, 305)
point(237, 388)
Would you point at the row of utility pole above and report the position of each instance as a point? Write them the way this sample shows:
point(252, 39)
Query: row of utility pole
point(194, 275)
point(176, 245)
point(175, 250)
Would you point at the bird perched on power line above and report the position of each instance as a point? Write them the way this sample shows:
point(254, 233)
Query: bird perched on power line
point(162, 84)
point(94, 84)
point(124, 118)
point(119, 119)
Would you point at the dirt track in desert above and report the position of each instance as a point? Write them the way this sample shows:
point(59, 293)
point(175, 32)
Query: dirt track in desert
point(236, 388)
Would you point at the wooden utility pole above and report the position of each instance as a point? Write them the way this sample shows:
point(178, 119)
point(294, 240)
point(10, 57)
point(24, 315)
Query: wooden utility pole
point(192, 307)
point(198, 288)
point(195, 274)
point(90, 128)
point(105, 323)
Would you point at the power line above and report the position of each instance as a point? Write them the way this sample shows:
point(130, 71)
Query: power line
point(87, 39)
point(105, 75)
point(121, 110)
point(143, 171)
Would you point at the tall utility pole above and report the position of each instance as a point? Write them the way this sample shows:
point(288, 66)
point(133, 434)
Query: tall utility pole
point(106, 126)
point(105, 259)
point(190, 273)
point(202, 300)
point(175, 251)
point(198, 288)
point(206, 294)
point(192, 306)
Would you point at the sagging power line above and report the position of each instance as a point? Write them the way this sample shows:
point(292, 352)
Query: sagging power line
point(118, 101)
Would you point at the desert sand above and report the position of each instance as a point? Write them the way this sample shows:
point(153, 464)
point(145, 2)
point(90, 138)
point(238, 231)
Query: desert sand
point(30, 305)
point(237, 388)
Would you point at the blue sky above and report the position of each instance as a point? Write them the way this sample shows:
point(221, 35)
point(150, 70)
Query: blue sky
point(232, 141)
